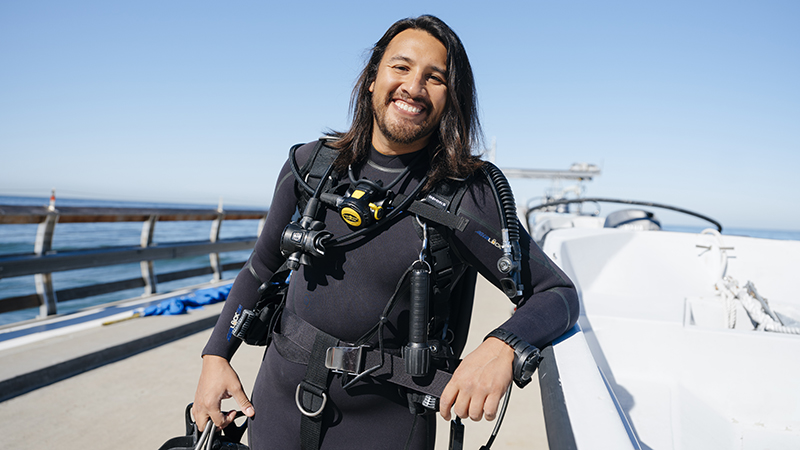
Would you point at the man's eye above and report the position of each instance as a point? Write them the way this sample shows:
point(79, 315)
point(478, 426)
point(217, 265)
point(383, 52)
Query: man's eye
point(436, 79)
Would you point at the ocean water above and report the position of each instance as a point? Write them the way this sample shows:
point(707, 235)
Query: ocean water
point(16, 239)
point(20, 239)
point(781, 235)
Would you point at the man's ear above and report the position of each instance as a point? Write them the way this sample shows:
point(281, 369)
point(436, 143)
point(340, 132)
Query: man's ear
point(372, 87)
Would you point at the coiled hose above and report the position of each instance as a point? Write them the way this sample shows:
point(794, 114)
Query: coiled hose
point(505, 197)
point(510, 262)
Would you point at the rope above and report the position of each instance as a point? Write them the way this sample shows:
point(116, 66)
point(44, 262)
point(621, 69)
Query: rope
point(757, 307)
point(754, 305)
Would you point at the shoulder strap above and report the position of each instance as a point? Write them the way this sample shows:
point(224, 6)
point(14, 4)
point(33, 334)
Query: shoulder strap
point(322, 156)
point(441, 204)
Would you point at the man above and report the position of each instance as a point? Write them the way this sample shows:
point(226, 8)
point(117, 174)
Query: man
point(414, 125)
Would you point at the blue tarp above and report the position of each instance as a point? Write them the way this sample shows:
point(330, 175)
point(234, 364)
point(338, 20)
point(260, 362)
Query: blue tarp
point(182, 304)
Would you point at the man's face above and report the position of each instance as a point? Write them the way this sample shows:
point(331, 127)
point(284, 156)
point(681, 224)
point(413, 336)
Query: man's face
point(409, 94)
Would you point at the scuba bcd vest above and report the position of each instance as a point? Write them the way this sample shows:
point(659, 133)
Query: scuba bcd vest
point(449, 282)
point(453, 281)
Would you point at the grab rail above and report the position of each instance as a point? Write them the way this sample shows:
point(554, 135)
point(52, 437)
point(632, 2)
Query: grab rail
point(44, 261)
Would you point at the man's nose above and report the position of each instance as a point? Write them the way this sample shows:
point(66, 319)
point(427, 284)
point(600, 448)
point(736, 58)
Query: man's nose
point(415, 84)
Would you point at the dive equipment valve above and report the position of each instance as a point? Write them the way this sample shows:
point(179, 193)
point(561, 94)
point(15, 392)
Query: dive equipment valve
point(307, 237)
point(383, 207)
point(302, 240)
point(417, 353)
point(363, 204)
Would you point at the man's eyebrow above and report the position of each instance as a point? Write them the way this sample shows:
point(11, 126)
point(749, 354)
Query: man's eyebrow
point(411, 61)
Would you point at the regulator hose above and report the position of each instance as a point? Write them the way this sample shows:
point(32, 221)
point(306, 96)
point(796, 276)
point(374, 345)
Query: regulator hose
point(505, 197)
point(510, 262)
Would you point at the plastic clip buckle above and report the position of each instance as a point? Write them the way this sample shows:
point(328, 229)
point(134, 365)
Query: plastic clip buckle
point(243, 324)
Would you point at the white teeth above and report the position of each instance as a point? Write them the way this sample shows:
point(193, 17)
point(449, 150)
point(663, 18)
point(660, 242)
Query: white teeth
point(406, 107)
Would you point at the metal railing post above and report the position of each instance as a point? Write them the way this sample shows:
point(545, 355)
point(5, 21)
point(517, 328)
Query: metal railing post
point(216, 226)
point(148, 274)
point(46, 261)
point(44, 281)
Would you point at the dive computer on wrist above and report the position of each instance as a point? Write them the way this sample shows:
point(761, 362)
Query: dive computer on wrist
point(526, 356)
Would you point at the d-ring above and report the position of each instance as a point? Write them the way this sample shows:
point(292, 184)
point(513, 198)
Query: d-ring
point(303, 410)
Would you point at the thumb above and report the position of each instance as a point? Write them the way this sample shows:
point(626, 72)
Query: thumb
point(244, 403)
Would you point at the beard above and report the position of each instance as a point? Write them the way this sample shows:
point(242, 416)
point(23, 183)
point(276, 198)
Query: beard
point(400, 131)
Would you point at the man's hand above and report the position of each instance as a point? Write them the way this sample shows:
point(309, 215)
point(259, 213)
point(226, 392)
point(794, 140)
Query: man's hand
point(218, 381)
point(479, 382)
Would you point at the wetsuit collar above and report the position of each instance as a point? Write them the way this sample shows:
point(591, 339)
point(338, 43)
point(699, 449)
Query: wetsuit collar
point(384, 162)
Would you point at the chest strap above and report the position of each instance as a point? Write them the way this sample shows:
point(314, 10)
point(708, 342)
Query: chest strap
point(297, 341)
point(300, 342)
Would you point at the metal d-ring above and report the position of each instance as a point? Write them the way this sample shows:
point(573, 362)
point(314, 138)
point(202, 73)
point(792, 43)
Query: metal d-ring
point(303, 410)
point(423, 264)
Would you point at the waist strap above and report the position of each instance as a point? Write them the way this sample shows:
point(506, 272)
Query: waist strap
point(296, 342)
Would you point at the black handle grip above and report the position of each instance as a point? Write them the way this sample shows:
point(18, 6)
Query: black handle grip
point(417, 352)
point(418, 321)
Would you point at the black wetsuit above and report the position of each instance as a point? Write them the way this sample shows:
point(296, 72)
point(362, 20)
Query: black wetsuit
point(344, 293)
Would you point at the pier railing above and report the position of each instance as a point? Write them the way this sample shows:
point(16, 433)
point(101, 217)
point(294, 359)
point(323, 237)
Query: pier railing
point(44, 260)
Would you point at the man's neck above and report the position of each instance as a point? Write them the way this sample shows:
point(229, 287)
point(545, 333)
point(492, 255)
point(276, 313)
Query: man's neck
point(386, 147)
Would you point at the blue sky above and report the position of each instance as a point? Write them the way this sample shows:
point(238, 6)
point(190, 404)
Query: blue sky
point(695, 104)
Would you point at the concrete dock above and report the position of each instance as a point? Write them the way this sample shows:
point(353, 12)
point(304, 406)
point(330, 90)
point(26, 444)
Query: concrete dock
point(125, 385)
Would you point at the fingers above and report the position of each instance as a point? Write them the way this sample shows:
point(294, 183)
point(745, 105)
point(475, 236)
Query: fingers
point(447, 400)
point(471, 405)
point(219, 418)
point(479, 382)
point(243, 402)
point(202, 415)
point(477, 405)
point(218, 381)
point(203, 411)
point(491, 405)
point(465, 398)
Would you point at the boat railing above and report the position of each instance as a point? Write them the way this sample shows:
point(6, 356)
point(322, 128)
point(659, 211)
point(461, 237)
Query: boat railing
point(44, 260)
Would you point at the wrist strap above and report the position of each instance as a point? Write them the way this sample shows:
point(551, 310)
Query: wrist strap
point(526, 356)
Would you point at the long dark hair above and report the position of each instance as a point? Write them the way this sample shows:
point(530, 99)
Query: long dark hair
point(451, 145)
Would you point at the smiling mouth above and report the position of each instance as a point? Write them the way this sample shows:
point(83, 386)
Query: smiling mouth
point(407, 107)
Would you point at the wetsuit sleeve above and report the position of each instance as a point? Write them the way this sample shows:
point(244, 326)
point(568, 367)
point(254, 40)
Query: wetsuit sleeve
point(264, 261)
point(549, 305)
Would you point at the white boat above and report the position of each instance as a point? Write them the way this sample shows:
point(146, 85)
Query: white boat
point(676, 346)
